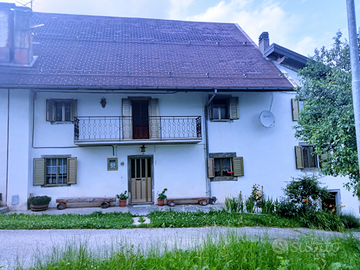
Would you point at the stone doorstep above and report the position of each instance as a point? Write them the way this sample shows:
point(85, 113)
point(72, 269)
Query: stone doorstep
point(136, 220)
point(4, 209)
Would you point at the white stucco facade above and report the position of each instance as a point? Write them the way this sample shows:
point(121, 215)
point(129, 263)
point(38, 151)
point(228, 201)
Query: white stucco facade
point(180, 167)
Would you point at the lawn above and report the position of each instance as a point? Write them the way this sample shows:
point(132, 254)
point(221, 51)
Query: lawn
point(229, 252)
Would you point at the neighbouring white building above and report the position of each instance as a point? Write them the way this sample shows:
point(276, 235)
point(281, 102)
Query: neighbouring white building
point(94, 106)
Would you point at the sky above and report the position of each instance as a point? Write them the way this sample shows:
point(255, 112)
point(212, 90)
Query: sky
point(299, 25)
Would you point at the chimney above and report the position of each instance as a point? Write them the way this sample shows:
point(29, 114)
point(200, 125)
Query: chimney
point(15, 35)
point(6, 33)
point(264, 42)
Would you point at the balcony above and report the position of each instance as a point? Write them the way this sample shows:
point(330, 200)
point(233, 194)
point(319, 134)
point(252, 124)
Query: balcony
point(110, 130)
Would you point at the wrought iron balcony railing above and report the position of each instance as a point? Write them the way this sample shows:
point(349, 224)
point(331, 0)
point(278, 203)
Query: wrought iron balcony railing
point(119, 128)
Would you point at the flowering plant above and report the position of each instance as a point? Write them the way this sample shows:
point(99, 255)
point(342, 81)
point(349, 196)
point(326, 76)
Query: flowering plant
point(39, 200)
point(256, 193)
point(122, 196)
point(162, 195)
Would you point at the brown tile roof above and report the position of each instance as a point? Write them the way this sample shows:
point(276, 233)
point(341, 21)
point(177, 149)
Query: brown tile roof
point(92, 51)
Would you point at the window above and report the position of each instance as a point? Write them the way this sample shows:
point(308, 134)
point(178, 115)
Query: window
point(60, 110)
point(112, 164)
point(55, 170)
point(224, 108)
point(296, 106)
point(225, 166)
point(305, 157)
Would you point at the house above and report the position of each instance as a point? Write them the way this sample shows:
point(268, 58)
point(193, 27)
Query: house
point(94, 106)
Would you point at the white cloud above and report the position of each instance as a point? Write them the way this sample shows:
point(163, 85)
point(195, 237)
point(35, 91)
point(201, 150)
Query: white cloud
point(179, 8)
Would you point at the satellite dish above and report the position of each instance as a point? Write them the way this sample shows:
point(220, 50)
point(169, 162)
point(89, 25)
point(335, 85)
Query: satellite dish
point(267, 119)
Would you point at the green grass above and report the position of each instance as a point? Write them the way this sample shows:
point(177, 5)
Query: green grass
point(174, 219)
point(228, 252)
point(96, 220)
point(161, 219)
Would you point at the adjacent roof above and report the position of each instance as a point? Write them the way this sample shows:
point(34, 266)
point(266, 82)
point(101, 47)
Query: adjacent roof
point(126, 53)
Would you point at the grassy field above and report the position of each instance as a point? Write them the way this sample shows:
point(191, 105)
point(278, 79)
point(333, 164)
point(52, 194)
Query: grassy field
point(229, 252)
point(167, 219)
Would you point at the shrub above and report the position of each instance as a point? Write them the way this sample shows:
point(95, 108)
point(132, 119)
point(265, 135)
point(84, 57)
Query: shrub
point(287, 209)
point(267, 206)
point(235, 205)
point(39, 200)
point(350, 221)
point(323, 220)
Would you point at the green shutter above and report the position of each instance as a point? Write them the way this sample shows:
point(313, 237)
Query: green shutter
point(72, 170)
point(238, 166)
point(39, 172)
point(73, 112)
point(322, 161)
point(295, 109)
point(233, 108)
point(154, 121)
point(50, 110)
point(211, 168)
point(299, 157)
point(127, 119)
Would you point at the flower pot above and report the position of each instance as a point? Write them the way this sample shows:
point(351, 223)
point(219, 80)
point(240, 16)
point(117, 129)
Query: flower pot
point(38, 207)
point(122, 203)
point(160, 202)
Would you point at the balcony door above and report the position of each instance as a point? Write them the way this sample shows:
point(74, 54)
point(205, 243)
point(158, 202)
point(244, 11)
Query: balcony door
point(141, 181)
point(140, 114)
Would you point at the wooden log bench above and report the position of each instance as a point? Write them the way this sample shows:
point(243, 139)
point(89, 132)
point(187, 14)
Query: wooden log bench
point(105, 201)
point(201, 200)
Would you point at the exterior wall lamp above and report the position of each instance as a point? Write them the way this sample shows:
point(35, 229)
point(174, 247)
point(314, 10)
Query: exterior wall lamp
point(143, 148)
point(103, 102)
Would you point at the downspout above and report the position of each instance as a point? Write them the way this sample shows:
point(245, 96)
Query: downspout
point(7, 148)
point(206, 113)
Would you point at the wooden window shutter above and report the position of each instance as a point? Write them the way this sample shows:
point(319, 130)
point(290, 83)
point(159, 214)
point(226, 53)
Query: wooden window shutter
point(211, 167)
point(211, 110)
point(322, 161)
point(295, 109)
point(73, 112)
point(233, 108)
point(72, 170)
point(238, 166)
point(154, 121)
point(127, 119)
point(39, 172)
point(50, 110)
point(299, 157)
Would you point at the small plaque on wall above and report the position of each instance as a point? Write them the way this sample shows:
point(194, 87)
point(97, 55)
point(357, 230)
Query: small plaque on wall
point(112, 164)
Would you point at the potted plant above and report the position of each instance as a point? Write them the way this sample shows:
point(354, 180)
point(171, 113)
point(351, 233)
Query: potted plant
point(162, 197)
point(122, 198)
point(39, 203)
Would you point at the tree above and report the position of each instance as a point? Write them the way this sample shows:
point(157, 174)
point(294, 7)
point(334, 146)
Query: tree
point(327, 118)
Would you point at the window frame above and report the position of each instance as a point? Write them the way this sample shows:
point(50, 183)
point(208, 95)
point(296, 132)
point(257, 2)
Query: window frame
point(51, 109)
point(236, 163)
point(296, 106)
point(40, 176)
point(228, 102)
point(109, 160)
point(303, 157)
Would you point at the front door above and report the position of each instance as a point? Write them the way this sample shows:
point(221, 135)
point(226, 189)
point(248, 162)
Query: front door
point(141, 182)
point(140, 113)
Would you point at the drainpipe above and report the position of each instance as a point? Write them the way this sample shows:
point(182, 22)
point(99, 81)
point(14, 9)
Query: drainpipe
point(7, 148)
point(206, 108)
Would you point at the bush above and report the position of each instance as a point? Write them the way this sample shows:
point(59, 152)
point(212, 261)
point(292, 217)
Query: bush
point(235, 205)
point(287, 209)
point(323, 221)
point(350, 221)
point(39, 200)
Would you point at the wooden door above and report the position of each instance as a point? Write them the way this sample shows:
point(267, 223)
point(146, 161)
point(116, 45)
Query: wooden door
point(140, 113)
point(141, 181)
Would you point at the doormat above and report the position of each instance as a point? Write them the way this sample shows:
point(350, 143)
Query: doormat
point(142, 205)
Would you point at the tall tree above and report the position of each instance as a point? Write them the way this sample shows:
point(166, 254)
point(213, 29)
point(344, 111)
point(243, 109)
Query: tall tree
point(327, 118)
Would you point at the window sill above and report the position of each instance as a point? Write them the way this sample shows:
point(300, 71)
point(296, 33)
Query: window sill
point(61, 122)
point(54, 185)
point(220, 120)
point(224, 178)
